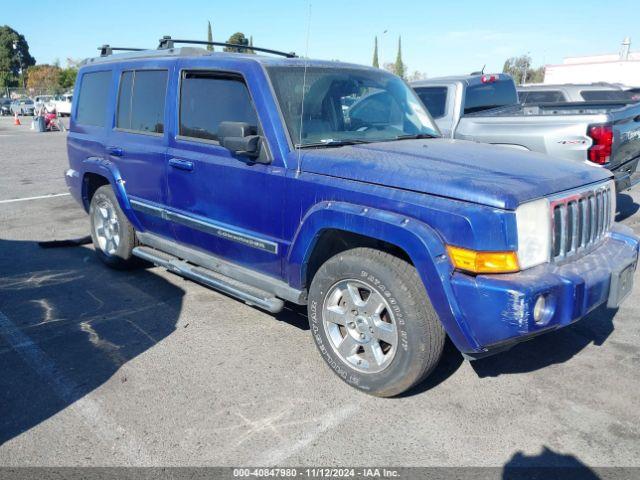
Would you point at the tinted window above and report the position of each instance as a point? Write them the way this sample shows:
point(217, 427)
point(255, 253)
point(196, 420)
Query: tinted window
point(434, 98)
point(541, 96)
point(92, 100)
point(490, 95)
point(207, 99)
point(141, 101)
point(606, 95)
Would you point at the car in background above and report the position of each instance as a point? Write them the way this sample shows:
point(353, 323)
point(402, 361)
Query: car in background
point(22, 106)
point(62, 104)
point(5, 107)
point(40, 101)
point(485, 108)
point(593, 92)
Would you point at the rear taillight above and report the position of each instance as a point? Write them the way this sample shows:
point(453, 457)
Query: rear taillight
point(488, 78)
point(600, 151)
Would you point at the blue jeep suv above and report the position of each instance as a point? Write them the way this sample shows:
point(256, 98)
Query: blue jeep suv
point(328, 185)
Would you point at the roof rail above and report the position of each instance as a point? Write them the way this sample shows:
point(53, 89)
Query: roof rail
point(106, 50)
point(167, 42)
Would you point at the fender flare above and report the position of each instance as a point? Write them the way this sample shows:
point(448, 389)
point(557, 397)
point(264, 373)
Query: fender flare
point(421, 242)
point(107, 169)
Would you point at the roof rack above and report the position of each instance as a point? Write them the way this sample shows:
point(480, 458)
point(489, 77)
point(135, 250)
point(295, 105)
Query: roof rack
point(106, 50)
point(167, 42)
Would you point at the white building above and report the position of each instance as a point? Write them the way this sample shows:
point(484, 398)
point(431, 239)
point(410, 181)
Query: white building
point(623, 67)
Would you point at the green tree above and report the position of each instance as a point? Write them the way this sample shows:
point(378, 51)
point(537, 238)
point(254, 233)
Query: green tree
point(375, 53)
point(521, 70)
point(14, 62)
point(399, 66)
point(237, 38)
point(209, 37)
point(67, 78)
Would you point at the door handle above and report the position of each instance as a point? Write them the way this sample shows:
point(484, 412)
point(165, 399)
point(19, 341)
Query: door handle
point(181, 164)
point(115, 151)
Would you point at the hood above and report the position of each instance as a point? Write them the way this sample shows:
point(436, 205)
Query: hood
point(499, 177)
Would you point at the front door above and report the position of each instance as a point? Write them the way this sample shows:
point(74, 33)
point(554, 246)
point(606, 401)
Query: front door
point(219, 202)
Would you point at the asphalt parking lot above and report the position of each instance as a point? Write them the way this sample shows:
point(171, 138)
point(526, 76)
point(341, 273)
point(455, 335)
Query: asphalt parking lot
point(102, 367)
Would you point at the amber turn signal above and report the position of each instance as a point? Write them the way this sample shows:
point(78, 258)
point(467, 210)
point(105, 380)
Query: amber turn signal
point(483, 262)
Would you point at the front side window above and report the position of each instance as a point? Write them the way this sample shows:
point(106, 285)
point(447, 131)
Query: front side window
point(141, 101)
point(347, 105)
point(92, 99)
point(434, 98)
point(206, 99)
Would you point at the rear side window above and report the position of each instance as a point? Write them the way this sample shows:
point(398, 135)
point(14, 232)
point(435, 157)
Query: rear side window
point(92, 100)
point(490, 95)
point(141, 101)
point(206, 99)
point(434, 98)
point(541, 96)
point(606, 95)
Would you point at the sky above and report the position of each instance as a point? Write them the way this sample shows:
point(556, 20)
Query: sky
point(438, 38)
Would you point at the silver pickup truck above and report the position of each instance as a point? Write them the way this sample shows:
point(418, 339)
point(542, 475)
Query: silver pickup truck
point(485, 108)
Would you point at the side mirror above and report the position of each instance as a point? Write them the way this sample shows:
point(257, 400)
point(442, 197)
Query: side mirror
point(240, 138)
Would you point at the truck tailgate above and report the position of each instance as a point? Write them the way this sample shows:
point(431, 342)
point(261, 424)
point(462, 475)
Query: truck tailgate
point(626, 140)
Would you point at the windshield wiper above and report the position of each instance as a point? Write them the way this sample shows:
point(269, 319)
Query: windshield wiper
point(416, 136)
point(333, 143)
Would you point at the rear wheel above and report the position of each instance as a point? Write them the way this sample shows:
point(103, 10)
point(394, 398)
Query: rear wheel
point(373, 323)
point(112, 233)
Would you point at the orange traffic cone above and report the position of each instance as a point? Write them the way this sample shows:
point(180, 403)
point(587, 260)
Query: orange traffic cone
point(16, 120)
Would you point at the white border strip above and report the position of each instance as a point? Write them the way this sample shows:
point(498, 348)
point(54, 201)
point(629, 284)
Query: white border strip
point(51, 195)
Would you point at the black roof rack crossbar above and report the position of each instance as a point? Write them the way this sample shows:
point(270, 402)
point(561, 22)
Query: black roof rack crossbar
point(167, 42)
point(106, 50)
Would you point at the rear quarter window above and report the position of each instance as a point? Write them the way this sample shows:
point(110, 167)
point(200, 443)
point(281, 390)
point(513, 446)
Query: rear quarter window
point(435, 99)
point(605, 95)
point(93, 97)
point(541, 96)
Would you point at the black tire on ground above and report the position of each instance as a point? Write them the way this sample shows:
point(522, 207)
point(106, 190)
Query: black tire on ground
point(419, 331)
point(122, 258)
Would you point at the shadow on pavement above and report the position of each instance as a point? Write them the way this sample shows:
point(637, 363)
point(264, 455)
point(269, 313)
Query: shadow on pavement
point(626, 207)
point(67, 324)
point(550, 348)
point(548, 465)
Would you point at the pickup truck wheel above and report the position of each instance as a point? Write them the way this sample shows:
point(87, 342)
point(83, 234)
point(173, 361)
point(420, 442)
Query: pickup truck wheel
point(112, 233)
point(373, 323)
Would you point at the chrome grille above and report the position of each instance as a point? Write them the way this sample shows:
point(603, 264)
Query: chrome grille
point(581, 220)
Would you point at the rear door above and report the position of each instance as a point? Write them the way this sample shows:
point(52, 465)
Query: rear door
point(137, 144)
point(438, 100)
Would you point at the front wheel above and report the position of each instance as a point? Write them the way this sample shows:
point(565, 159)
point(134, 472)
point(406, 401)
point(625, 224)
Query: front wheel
point(373, 323)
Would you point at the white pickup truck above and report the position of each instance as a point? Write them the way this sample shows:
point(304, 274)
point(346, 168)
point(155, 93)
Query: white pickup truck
point(485, 108)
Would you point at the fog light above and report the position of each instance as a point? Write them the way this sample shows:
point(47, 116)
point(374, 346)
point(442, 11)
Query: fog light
point(542, 310)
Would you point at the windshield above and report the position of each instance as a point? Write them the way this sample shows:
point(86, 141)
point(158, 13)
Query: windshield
point(490, 95)
point(348, 105)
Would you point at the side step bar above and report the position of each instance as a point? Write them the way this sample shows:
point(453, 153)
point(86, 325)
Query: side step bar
point(250, 295)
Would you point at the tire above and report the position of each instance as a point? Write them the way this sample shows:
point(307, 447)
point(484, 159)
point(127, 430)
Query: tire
point(361, 296)
point(113, 245)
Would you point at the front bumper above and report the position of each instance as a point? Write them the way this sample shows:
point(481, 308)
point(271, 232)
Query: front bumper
point(497, 310)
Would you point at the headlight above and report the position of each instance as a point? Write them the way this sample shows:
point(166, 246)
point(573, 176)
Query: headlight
point(533, 221)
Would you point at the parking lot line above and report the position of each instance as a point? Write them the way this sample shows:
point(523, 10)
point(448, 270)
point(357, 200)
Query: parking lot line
point(24, 199)
point(90, 410)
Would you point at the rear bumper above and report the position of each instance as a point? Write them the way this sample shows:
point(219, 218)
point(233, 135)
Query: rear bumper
point(498, 309)
point(627, 175)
